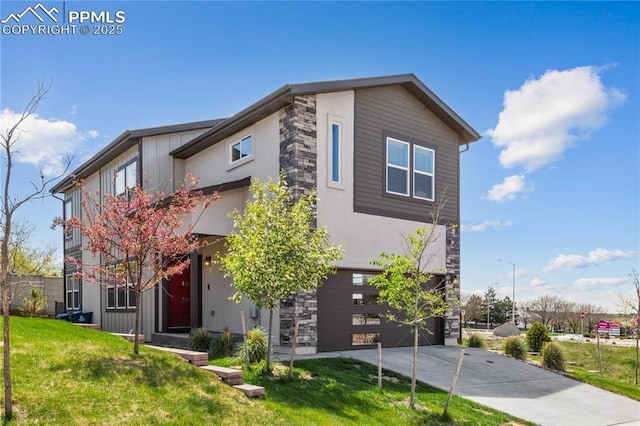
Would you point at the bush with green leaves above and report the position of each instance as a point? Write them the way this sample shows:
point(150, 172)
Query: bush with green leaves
point(34, 306)
point(200, 340)
point(537, 335)
point(256, 346)
point(476, 341)
point(223, 345)
point(515, 347)
point(552, 356)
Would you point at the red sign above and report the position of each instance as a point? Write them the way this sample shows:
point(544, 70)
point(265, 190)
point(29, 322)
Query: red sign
point(582, 315)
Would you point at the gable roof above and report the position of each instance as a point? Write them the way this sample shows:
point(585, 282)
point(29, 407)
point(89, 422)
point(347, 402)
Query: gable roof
point(284, 96)
point(122, 143)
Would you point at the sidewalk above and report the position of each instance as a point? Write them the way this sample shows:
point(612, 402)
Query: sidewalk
point(506, 384)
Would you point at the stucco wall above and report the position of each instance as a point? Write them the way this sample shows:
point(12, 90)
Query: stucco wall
point(363, 236)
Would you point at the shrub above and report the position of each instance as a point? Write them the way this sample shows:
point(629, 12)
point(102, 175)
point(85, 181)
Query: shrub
point(515, 347)
point(200, 340)
point(537, 336)
point(256, 346)
point(34, 306)
point(223, 344)
point(552, 356)
point(476, 341)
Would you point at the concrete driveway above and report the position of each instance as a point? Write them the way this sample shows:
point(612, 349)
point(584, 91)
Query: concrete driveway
point(508, 385)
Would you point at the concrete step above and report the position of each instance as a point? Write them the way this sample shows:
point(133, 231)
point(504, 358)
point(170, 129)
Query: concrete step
point(196, 358)
point(230, 376)
point(130, 336)
point(252, 391)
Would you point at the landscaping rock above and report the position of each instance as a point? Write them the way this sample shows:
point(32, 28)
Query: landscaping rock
point(507, 329)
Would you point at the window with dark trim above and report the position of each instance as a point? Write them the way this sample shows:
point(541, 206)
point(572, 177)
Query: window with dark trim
point(126, 178)
point(120, 293)
point(73, 291)
point(68, 214)
point(409, 169)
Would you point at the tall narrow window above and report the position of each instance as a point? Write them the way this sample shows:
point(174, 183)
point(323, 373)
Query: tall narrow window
point(126, 178)
point(68, 214)
point(397, 167)
point(335, 152)
point(73, 292)
point(423, 172)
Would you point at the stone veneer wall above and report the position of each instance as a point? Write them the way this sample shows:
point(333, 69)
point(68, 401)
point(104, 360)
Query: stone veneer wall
point(298, 155)
point(452, 320)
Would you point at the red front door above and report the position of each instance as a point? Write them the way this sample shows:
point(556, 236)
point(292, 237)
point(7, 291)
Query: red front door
point(180, 299)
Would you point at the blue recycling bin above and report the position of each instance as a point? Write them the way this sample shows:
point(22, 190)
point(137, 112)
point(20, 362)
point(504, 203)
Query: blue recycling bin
point(82, 317)
point(64, 317)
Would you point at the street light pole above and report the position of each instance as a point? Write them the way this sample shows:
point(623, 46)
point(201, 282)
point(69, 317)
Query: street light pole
point(513, 301)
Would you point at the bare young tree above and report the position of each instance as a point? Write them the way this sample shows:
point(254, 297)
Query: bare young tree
point(10, 204)
point(633, 304)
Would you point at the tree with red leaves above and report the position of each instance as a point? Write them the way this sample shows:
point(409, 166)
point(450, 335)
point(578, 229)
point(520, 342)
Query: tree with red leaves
point(138, 238)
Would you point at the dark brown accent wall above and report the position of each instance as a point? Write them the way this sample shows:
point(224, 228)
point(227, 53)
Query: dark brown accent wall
point(395, 112)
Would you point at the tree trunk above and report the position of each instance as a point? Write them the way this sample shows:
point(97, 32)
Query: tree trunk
point(269, 340)
point(8, 404)
point(412, 398)
point(137, 329)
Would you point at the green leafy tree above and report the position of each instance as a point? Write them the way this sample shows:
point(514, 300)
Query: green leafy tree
point(407, 285)
point(474, 309)
point(274, 250)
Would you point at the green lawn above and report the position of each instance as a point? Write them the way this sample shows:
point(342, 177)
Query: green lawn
point(64, 374)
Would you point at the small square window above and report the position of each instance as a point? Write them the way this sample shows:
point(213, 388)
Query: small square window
point(241, 149)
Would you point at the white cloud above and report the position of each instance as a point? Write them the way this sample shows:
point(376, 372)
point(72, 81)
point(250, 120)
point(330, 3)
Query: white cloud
point(547, 115)
point(537, 282)
point(589, 283)
point(487, 224)
point(509, 189)
point(595, 257)
point(44, 142)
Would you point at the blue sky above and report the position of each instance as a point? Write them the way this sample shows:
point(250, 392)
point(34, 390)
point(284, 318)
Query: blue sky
point(553, 186)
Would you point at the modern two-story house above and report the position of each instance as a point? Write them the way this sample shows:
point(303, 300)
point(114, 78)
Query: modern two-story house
point(378, 151)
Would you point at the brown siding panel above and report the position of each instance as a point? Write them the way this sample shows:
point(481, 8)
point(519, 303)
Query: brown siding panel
point(394, 110)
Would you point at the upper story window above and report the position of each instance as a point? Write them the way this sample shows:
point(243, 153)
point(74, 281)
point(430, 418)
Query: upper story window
point(126, 177)
point(68, 214)
point(241, 149)
point(397, 167)
point(335, 147)
point(410, 172)
point(423, 162)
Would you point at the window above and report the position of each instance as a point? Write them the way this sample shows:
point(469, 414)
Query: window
point(73, 292)
point(364, 338)
point(126, 177)
point(361, 279)
point(120, 293)
point(365, 319)
point(423, 172)
point(336, 142)
point(68, 214)
point(403, 162)
point(364, 299)
point(397, 167)
point(241, 149)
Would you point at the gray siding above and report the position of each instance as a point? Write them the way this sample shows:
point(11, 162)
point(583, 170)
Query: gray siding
point(73, 239)
point(395, 112)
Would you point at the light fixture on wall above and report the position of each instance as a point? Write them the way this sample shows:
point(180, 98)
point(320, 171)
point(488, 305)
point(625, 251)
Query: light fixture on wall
point(451, 278)
point(207, 261)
